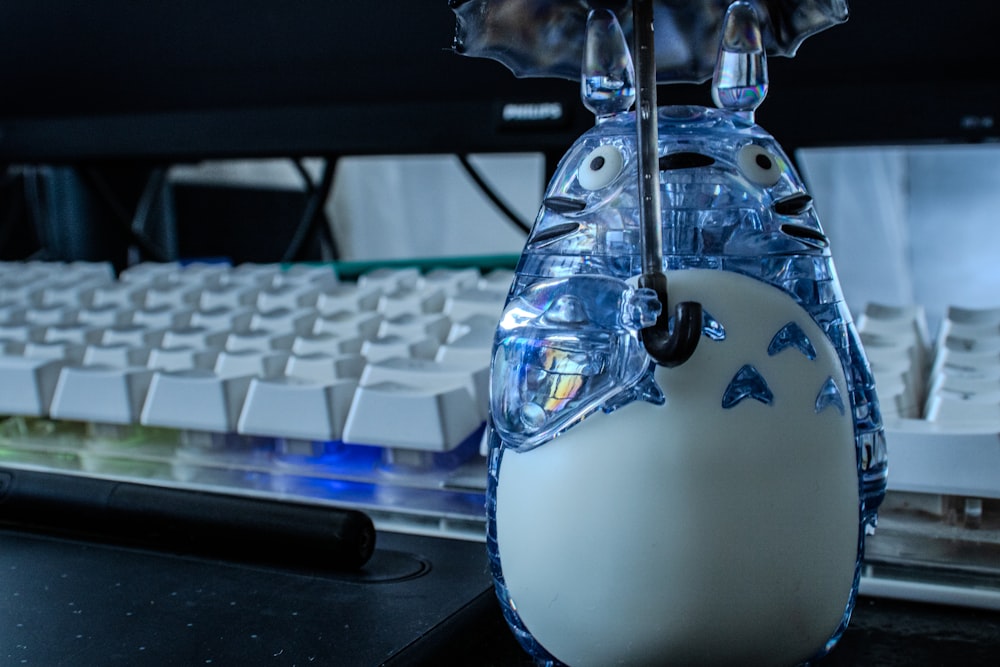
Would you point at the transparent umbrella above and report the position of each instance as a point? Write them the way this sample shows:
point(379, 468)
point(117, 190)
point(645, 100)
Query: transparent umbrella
point(546, 37)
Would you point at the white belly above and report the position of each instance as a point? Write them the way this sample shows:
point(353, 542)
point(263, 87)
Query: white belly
point(688, 533)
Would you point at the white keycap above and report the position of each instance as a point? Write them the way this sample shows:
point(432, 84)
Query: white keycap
point(69, 352)
point(261, 275)
point(222, 318)
point(386, 347)
point(968, 364)
point(67, 291)
point(964, 385)
point(979, 344)
point(250, 362)
point(49, 315)
point(151, 273)
point(252, 339)
point(347, 297)
point(197, 400)
point(193, 336)
point(948, 407)
point(390, 280)
point(27, 384)
point(89, 270)
point(100, 394)
point(324, 368)
point(296, 408)
point(180, 358)
point(206, 274)
point(23, 290)
point(228, 295)
point(105, 315)
point(410, 325)
point(884, 318)
point(306, 274)
point(429, 373)
point(284, 320)
point(425, 418)
point(413, 301)
point(290, 296)
point(325, 343)
point(81, 334)
point(363, 324)
point(161, 316)
point(119, 355)
point(130, 334)
point(120, 294)
point(986, 318)
point(178, 296)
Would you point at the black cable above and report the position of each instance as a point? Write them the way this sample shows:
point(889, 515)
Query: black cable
point(306, 176)
point(487, 190)
point(99, 185)
point(327, 238)
point(314, 211)
point(151, 193)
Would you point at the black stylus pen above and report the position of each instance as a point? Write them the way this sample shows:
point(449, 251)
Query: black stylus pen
point(189, 521)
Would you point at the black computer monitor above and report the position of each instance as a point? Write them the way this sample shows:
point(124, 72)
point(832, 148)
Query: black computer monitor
point(195, 78)
point(120, 79)
point(898, 72)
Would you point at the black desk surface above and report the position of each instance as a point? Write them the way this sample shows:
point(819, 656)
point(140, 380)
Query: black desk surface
point(420, 601)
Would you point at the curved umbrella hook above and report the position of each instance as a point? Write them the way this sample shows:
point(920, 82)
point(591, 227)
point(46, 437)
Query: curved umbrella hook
point(667, 346)
point(671, 346)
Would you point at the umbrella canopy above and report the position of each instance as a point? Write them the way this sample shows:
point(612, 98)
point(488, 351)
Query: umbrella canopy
point(545, 38)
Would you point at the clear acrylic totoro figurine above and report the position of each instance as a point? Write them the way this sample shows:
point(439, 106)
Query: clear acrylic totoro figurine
point(686, 475)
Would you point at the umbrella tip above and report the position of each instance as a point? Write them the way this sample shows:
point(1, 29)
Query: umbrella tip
point(607, 77)
point(739, 82)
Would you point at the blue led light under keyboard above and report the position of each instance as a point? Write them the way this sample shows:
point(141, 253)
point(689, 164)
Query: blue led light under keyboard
point(261, 379)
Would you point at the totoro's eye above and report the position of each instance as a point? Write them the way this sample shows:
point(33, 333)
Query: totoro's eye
point(601, 166)
point(759, 164)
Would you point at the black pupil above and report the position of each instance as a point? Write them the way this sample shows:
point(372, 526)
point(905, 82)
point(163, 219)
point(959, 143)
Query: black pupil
point(597, 163)
point(763, 161)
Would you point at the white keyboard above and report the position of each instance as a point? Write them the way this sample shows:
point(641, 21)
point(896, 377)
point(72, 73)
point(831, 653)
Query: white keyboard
point(370, 392)
point(940, 398)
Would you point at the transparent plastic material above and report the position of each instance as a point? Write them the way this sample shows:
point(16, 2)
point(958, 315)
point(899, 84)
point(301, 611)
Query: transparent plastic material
point(568, 350)
point(546, 37)
point(580, 339)
point(740, 79)
point(608, 77)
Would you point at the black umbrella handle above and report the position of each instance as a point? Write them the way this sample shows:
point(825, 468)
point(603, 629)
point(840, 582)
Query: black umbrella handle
point(668, 348)
point(668, 345)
